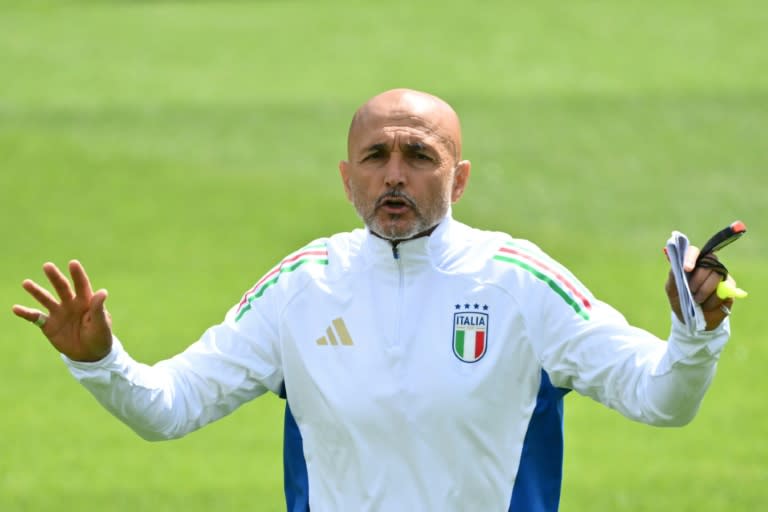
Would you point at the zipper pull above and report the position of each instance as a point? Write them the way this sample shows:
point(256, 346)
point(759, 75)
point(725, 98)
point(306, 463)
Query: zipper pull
point(395, 251)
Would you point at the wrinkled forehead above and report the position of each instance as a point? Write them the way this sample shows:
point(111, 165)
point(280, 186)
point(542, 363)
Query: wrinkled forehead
point(411, 121)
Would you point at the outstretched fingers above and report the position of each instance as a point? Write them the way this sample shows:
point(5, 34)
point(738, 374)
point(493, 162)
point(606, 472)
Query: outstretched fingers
point(60, 282)
point(83, 288)
point(29, 314)
point(82, 292)
point(41, 295)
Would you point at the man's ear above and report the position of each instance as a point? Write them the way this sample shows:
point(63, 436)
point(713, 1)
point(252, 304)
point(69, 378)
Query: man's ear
point(460, 179)
point(344, 171)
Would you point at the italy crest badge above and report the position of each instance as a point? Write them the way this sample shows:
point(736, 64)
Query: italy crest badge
point(470, 332)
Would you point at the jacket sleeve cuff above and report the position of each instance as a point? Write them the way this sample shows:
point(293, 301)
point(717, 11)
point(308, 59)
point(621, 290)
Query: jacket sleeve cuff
point(702, 347)
point(97, 370)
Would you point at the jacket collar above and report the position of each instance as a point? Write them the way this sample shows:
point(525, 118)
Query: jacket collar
point(433, 248)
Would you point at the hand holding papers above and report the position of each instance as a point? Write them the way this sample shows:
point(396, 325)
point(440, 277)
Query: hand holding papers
point(677, 245)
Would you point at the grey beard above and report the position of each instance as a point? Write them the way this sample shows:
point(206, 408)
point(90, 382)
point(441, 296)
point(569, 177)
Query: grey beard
point(421, 224)
point(394, 235)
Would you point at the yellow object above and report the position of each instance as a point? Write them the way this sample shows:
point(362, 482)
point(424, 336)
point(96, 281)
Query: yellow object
point(728, 290)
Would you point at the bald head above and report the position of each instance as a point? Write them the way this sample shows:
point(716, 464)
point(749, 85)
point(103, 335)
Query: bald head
point(406, 107)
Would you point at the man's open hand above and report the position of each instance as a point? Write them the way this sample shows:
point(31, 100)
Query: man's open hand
point(77, 324)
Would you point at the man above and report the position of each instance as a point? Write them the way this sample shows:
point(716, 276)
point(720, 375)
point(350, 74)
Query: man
point(423, 361)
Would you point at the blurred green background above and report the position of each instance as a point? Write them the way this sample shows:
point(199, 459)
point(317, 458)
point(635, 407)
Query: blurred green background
point(180, 149)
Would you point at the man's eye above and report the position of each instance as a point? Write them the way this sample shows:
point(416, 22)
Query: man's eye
point(421, 157)
point(374, 156)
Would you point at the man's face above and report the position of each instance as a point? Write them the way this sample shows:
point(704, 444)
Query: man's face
point(402, 173)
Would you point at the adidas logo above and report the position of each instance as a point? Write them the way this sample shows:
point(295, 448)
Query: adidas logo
point(340, 336)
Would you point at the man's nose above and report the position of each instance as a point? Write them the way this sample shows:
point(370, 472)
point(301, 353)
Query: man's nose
point(395, 172)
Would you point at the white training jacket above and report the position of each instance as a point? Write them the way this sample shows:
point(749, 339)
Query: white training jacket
point(423, 377)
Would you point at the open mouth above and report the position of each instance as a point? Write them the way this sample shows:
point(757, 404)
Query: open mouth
point(394, 204)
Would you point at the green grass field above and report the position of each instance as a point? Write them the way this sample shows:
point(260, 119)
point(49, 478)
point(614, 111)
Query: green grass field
point(179, 149)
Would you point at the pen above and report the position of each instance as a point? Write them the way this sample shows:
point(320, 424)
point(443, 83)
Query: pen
point(727, 287)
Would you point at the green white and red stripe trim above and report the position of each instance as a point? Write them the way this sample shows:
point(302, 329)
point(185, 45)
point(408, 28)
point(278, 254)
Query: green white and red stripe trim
point(548, 270)
point(314, 253)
